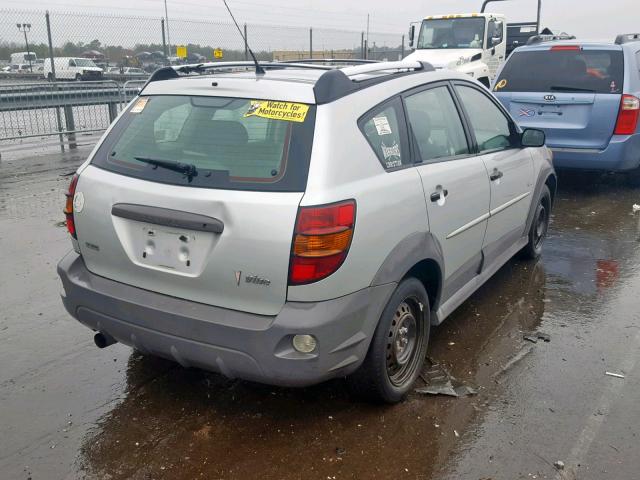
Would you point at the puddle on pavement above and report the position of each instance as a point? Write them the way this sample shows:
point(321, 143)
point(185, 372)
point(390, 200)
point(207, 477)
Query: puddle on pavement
point(176, 423)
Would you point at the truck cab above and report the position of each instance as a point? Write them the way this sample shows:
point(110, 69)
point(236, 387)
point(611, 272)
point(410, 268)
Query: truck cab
point(473, 43)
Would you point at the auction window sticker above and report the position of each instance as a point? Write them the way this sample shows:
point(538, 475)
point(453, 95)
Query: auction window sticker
point(382, 125)
point(276, 110)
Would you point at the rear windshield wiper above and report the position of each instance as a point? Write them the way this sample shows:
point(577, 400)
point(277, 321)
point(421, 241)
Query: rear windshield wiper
point(187, 169)
point(566, 88)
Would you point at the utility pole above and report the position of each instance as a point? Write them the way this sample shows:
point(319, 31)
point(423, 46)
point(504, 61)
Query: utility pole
point(166, 17)
point(539, 14)
point(366, 43)
point(24, 28)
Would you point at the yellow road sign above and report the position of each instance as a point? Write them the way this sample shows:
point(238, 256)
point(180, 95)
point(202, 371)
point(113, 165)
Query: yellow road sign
point(217, 53)
point(181, 51)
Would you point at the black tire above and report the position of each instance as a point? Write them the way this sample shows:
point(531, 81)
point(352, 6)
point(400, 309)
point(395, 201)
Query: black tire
point(78, 77)
point(633, 178)
point(389, 370)
point(539, 226)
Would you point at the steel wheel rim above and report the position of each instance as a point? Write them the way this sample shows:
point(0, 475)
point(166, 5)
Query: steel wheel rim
point(403, 341)
point(541, 226)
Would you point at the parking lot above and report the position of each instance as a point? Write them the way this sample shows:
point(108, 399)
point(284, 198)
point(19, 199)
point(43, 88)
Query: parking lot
point(71, 410)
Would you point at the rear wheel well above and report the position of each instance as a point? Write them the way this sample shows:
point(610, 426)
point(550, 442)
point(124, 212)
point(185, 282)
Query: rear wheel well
point(552, 183)
point(428, 272)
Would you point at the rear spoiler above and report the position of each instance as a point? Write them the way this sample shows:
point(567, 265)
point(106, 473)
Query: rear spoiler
point(627, 38)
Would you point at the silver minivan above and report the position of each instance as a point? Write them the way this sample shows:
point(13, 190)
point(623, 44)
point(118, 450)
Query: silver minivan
point(302, 223)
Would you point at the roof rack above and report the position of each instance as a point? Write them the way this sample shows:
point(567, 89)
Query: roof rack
point(627, 38)
point(174, 71)
point(334, 83)
point(338, 83)
point(353, 61)
point(549, 38)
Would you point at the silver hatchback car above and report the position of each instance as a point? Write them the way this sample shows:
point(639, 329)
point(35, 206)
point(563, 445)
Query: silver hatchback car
point(300, 224)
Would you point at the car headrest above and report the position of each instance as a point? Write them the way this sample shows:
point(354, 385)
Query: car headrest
point(421, 122)
point(576, 66)
point(227, 132)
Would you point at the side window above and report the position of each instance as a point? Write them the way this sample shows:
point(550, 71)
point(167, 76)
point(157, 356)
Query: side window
point(493, 130)
point(384, 128)
point(435, 124)
point(72, 63)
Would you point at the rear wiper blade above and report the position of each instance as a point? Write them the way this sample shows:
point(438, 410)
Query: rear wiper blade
point(566, 88)
point(188, 169)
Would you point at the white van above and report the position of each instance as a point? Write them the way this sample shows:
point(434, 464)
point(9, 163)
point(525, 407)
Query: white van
point(23, 57)
point(72, 68)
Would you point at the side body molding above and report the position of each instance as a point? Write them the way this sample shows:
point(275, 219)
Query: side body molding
point(408, 252)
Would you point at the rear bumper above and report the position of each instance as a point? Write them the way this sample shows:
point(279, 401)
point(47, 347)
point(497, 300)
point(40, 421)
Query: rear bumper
point(236, 344)
point(622, 154)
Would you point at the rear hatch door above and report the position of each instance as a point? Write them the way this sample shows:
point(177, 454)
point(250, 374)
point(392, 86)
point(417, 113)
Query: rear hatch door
point(196, 197)
point(573, 93)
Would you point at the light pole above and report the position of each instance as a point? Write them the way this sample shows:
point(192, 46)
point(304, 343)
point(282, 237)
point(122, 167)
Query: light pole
point(24, 28)
point(166, 17)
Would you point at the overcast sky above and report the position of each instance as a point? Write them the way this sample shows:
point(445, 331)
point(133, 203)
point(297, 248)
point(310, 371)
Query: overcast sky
point(593, 19)
point(389, 19)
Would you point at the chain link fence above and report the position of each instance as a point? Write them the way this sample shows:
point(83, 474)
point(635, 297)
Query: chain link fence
point(128, 49)
point(121, 42)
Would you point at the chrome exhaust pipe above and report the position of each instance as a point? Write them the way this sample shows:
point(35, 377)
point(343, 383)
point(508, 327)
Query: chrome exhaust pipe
point(103, 340)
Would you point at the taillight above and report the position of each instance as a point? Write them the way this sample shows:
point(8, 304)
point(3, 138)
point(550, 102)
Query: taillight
point(321, 241)
point(68, 207)
point(628, 116)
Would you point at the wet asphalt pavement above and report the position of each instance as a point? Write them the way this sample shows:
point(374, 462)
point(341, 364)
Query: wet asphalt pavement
point(69, 410)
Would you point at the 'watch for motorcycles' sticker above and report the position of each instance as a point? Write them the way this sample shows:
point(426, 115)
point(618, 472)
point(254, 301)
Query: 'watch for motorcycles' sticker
point(288, 111)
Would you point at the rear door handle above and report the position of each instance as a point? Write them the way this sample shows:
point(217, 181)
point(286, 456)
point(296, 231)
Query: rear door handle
point(435, 196)
point(496, 175)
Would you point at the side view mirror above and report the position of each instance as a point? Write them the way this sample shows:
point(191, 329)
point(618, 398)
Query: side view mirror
point(496, 41)
point(412, 34)
point(532, 137)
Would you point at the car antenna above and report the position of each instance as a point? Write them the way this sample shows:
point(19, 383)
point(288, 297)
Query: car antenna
point(259, 69)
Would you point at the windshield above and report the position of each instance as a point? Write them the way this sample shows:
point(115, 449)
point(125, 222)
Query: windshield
point(230, 143)
point(84, 62)
point(589, 71)
point(452, 33)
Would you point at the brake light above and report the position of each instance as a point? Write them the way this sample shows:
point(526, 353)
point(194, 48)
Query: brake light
point(68, 207)
point(564, 48)
point(321, 241)
point(628, 116)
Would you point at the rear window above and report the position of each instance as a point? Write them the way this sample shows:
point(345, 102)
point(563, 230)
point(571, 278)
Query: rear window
point(213, 142)
point(598, 71)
